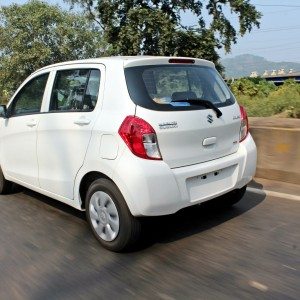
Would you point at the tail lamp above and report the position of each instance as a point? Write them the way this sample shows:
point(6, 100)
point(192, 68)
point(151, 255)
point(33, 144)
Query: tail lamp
point(140, 137)
point(244, 124)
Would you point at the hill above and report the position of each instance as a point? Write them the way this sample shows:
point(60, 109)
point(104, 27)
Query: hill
point(243, 65)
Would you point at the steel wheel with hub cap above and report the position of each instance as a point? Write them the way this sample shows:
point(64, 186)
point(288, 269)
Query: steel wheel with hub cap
point(109, 217)
point(104, 216)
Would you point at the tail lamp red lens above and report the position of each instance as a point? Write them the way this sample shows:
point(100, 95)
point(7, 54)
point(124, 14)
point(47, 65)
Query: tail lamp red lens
point(140, 137)
point(244, 124)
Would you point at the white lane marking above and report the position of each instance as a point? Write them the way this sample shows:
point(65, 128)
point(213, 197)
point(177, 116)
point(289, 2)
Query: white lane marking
point(258, 286)
point(277, 226)
point(274, 194)
point(289, 267)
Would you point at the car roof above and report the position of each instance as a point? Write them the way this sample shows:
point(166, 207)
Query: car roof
point(128, 61)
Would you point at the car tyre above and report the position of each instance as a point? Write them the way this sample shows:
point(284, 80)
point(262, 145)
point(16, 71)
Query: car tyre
point(109, 217)
point(5, 185)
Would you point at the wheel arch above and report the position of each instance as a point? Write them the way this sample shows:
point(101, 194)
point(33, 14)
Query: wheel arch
point(91, 176)
point(86, 181)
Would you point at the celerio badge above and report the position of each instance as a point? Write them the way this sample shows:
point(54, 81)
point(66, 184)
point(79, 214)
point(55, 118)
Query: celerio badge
point(168, 125)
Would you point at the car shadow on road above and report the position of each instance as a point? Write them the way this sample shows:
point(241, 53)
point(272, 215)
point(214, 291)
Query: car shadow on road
point(194, 220)
point(166, 229)
point(255, 184)
point(50, 202)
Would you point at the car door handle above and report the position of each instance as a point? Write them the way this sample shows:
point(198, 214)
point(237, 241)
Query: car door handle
point(31, 123)
point(82, 121)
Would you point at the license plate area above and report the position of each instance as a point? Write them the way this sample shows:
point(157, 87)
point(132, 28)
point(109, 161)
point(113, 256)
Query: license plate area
point(212, 183)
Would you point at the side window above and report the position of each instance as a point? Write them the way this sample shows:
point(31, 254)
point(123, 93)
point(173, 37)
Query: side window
point(29, 99)
point(75, 90)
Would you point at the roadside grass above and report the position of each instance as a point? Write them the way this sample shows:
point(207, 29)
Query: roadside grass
point(264, 99)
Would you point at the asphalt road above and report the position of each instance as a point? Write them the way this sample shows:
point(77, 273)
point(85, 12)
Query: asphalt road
point(251, 251)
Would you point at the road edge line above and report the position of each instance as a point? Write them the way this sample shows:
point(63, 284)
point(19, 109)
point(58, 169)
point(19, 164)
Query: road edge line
point(274, 194)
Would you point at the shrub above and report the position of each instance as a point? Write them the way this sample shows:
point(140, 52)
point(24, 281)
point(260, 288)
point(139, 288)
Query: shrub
point(252, 87)
point(263, 99)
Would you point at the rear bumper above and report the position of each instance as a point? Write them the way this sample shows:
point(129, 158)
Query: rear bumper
point(151, 188)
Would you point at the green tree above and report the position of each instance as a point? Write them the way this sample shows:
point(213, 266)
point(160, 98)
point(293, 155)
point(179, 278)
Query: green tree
point(154, 27)
point(37, 34)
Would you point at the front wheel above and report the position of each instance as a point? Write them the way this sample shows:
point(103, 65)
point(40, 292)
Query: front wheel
point(109, 217)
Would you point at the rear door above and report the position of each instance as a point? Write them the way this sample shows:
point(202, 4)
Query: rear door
point(187, 131)
point(65, 130)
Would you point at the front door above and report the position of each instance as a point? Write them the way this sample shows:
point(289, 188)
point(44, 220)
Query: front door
point(19, 132)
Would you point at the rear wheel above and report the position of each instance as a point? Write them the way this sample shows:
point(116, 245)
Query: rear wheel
point(5, 185)
point(109, 217)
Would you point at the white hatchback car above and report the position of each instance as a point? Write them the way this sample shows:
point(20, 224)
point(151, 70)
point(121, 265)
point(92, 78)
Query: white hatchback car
point(125, 137)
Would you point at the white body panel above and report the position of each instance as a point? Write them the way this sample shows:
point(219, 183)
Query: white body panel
point(165, 191)
point(54, 156)
point(61, 150)
point(183, 145)
point(18, 141)
point(18, 148)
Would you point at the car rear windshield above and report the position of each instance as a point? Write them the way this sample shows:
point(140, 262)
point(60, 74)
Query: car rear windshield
point(174, 87)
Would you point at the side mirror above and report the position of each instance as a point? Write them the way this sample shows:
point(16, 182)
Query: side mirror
point(3, 112)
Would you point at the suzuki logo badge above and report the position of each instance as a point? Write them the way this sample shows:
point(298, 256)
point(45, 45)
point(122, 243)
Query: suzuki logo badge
point(210, 118)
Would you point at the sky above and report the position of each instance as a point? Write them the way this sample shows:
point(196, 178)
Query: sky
point(278, 38)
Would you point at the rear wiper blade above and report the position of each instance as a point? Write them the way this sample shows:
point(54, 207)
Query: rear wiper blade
point(202, 102)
